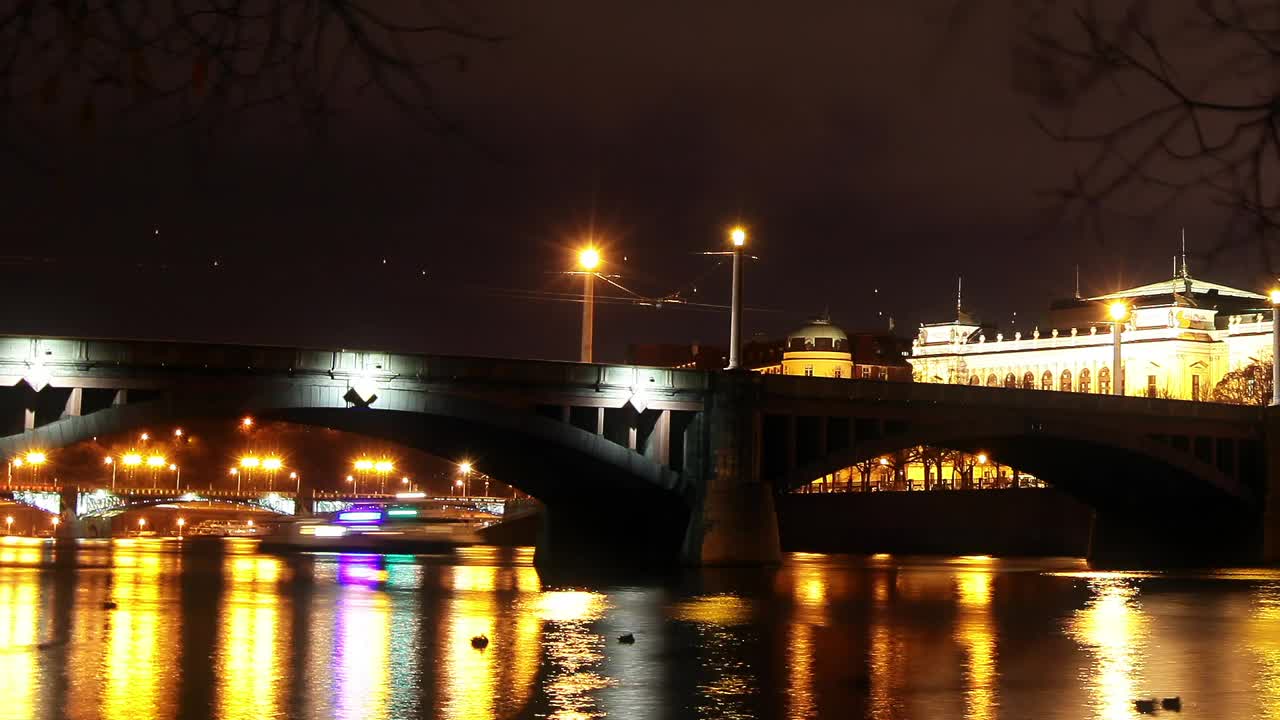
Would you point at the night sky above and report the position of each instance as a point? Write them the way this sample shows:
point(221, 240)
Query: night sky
point(867, 147)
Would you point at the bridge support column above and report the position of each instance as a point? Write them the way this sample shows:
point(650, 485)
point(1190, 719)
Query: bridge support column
point(1271, 488)
point(732, 519)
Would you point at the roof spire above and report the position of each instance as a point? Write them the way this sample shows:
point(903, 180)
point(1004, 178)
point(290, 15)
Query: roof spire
point(1183, 274)
point(959, 294)
point(1077, 281)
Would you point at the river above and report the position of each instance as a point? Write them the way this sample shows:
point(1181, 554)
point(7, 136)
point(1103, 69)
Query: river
point(139, 629)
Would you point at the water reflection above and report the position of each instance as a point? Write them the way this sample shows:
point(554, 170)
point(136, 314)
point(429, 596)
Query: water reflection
point(18, 638)
point(976, 637)
point(253, 638)
point(233, 633)
point(143, 637)
point(728, 688)
point(1113, 627)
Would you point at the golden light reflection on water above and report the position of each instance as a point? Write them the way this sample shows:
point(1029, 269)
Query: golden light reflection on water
point(1263, 635)
point(18, 628)
point(1113, 627)
point(573, 651)
point(143, 637)
point(253, 640)
point(976, 636)
point(731, 682)
point(809, 594)
point(468, 672)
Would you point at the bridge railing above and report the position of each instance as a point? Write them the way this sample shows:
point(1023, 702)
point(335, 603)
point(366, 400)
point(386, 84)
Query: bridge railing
point(69, 356)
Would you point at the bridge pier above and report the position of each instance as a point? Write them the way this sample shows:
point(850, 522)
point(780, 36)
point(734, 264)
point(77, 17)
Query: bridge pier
point(732, 519)
point(1270, 550)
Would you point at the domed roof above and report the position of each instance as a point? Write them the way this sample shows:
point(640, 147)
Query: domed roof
point(819, 327)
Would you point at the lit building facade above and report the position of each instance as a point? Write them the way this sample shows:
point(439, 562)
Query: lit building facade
point(1180, 338)
point(821, 349)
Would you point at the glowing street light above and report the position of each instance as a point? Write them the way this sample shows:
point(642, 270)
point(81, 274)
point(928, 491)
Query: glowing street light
point(108, 460)
point(588, 261)
point(982, 458)
point(246, 422)
point(235, 472)
point(142, 522)
point(55, 520)
point(738, 238)
point(384, 466)
point(1118, 312)
point(145, 437)
point(177, 475)
point(355, 486)
point(363, 465)
point(250, 462)
point(1275, 346)
point(465, 468)
point(156, 461)
point(177, 432)
point(35, 459)
point(297, 486)
point(8, 525)
point(131, 459)
point(272, 464)
point(181, 523)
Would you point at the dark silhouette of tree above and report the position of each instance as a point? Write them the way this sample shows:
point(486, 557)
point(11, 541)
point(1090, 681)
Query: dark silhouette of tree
point(1249, 385)
point(1169, 102)
point(135, 67)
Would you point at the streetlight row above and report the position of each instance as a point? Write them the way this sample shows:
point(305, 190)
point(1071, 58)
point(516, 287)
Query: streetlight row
point(590, 258)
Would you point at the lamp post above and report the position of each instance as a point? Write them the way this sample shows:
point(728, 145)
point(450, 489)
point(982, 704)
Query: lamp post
point(297, 486)
point(355, 486)
point(8, 525)
point(249, 463)
point(588, 260)
point(235, 472)
point(108, 460)
point(181, 523)
point(383, 467)
point(1119, 312)
point(35, 459)
point(465, 468)
point(738, 236)
point(1275, 347)
point(131, 461)
point(14, 463)
point(177, 475)
point(272, 465)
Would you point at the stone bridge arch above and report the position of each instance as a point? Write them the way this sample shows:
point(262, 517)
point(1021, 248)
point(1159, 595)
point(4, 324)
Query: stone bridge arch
point(1150, 500)
point(593, 488)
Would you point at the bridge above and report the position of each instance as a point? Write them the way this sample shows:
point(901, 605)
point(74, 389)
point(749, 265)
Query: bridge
point(653, 465)
point(83, 508)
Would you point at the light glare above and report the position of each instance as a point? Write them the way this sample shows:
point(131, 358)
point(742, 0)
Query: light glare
point(589, 258)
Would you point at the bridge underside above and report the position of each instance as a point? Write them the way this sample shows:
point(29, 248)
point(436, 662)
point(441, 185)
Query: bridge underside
point(1152, 505)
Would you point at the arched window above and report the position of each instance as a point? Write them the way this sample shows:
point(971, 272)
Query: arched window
point(1104, 381)
point(992, 380)
point(1084, 380)
point(1029, 381)
point(1010, 381)
point(1046, 381)
point(1066, 381)
point(975, 380)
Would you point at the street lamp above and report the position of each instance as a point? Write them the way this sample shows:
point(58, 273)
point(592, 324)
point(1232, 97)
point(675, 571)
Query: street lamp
point(1118, 312)
point(355, 487)
point(236, 473)
point(142, 523)
point(181, 523)
point(35, 459)
point(384, 467)
point(13, 463)
point(272, 465)
point(55, 521)
point(1275, 347)
point(249, 463)
point(588, 261)
point(155, 462)
point(177, 477)
point(738, 237)
point(8, 525)
point(108, 460)
point(246, 422)
point(297, 487)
